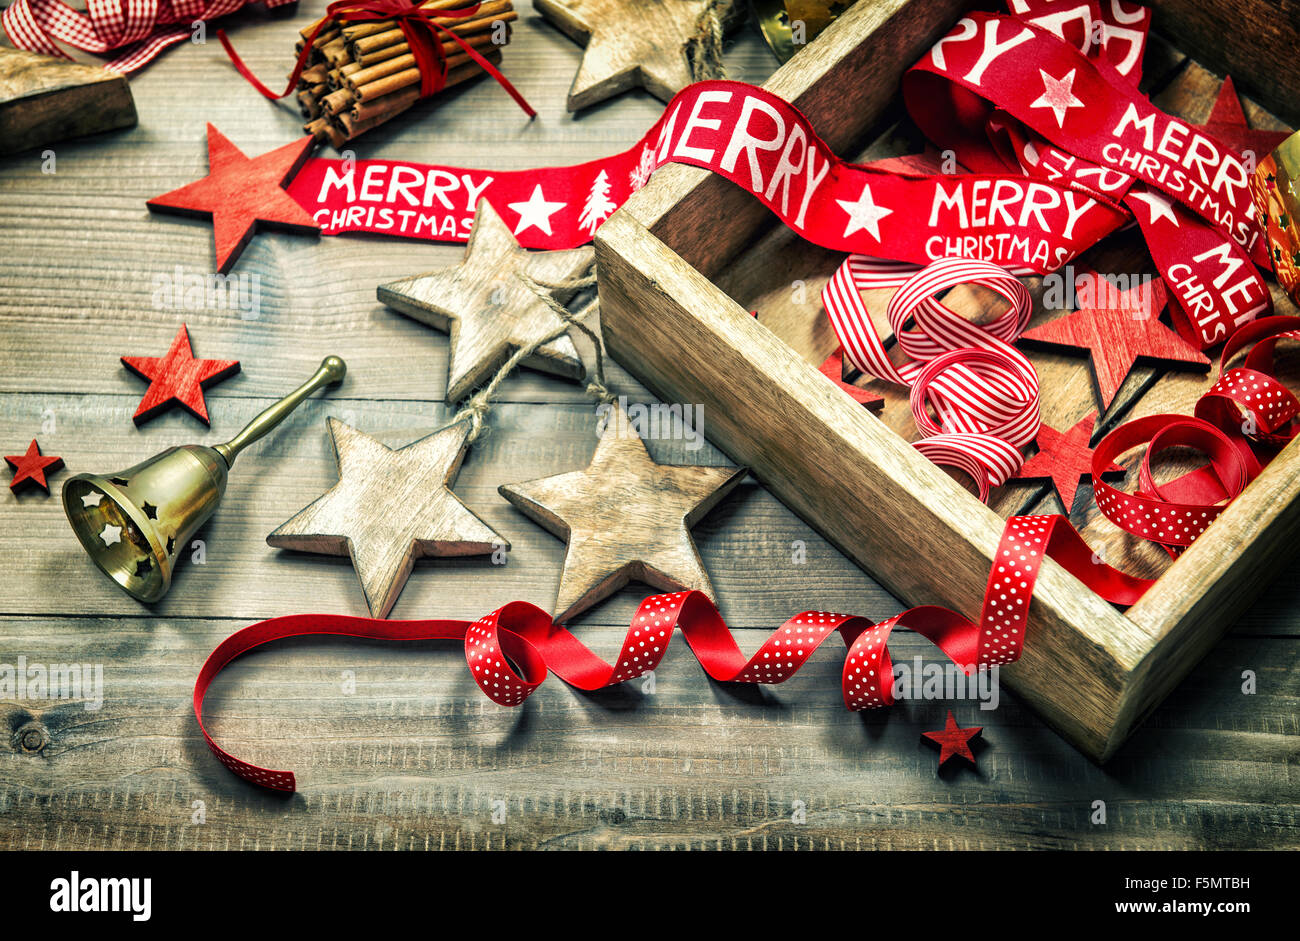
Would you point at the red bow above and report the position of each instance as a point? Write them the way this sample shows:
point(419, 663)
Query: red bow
point(422, 34)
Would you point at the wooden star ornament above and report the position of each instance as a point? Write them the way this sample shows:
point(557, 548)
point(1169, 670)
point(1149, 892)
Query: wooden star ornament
point(1118, 328)
point(241, 195)
point(953, 740)
point(488, 309)
point(1227, 123)
point(1064, 458)
point(389, 508)
point(624, 517)
point(627, 45)
point(177, 378)
point(30, 468)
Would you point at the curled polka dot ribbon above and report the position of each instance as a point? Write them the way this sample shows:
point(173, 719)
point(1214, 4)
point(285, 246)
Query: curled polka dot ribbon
point(1238, 424)
point(510, 651)
point(982, 390)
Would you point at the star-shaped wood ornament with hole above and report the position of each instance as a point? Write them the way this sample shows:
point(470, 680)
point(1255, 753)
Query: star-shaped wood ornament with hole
point(30, 468)
point(1118, 327)
point(177, 378)
point(625, 518)
point(390, 507)
point(488, 309)
point(953, 740)
point(627, 45)
point(1064, 458)
point(242, 194)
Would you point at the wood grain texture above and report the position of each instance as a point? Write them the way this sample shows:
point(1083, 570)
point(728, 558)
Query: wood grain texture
point(820, 456)
point(627, 45)
point(388, 508)
point(488, 309)
point(44, 99)
point(415, 758)
point(624, 518)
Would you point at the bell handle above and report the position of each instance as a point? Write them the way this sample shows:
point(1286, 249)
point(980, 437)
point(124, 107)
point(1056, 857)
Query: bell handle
point(332, 370)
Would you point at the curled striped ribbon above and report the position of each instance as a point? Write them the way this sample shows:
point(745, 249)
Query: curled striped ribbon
point(982, 390)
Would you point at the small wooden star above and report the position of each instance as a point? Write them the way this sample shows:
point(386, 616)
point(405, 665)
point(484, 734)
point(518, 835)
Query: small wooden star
point(1064, 458)
point(489, 311)
point(242, 194)
point(1118, 328)
point(388, 508)
point(1227, 123)
point(177, 378)
point(624, 517)
point(30, 468)
point(628, 45)
point(953, 740)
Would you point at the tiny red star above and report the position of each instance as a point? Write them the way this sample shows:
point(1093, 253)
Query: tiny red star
point(1227, 123)
point(177, 377)
point(953, 740)
point(239, 194)
point(833, 369)
point(31, 467)
point(1118, 328)
point(1064, 457)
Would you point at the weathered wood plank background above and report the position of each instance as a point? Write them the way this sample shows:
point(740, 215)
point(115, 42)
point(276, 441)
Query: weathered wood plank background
point(393, 745)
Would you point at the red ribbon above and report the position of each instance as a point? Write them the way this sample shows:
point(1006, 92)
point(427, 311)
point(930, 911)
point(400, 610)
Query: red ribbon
point(422, 33)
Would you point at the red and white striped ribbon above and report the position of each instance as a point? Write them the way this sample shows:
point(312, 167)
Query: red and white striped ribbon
point(983, 390)
point(137, 30)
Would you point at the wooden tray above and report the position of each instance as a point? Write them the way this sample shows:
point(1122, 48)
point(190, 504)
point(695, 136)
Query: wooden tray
point(687, 258)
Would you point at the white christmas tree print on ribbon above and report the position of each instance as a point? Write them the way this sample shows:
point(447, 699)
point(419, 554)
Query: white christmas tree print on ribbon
point(599, 205)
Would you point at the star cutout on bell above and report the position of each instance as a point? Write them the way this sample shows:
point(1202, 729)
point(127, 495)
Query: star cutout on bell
point(177, 378)
point(953, 740)
point(31, 467)
point(242, 194)
point(1058, 95)
point(487, 307)
point(390, 507)
point(536, 211)
point(1064, 458)
point(111, 534)
point(1118, 328)
point(624, 518)
point(864, 214)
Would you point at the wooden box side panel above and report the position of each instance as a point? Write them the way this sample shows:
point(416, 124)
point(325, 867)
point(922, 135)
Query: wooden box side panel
point(862, 486)
point(843, 82)
point(1257, 42)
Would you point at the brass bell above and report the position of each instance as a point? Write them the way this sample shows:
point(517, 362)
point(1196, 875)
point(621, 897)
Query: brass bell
point(1275, 188)
point(134, 522)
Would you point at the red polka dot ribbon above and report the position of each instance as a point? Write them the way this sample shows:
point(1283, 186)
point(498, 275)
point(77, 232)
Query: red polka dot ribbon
point(509, 651)
point(1244, 418)
point(982, 389)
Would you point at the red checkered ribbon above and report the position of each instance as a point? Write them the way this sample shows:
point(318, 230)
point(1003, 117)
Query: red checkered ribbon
point(982, 389)
point(137, 30)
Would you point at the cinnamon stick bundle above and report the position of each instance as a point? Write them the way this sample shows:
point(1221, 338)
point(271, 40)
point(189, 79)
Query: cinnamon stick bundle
point(361, 74)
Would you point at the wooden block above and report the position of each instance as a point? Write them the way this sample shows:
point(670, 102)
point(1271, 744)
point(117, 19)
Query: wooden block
point(45, 99)
point(664, 259)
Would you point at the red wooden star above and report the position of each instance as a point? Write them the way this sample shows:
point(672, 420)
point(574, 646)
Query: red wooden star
point(1118, 328)
point(1064, 457)
point(177, 377)
point(240, 194)
point(833, 369)
point(953, 740)
point(1227, 123)
point(30, 468)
